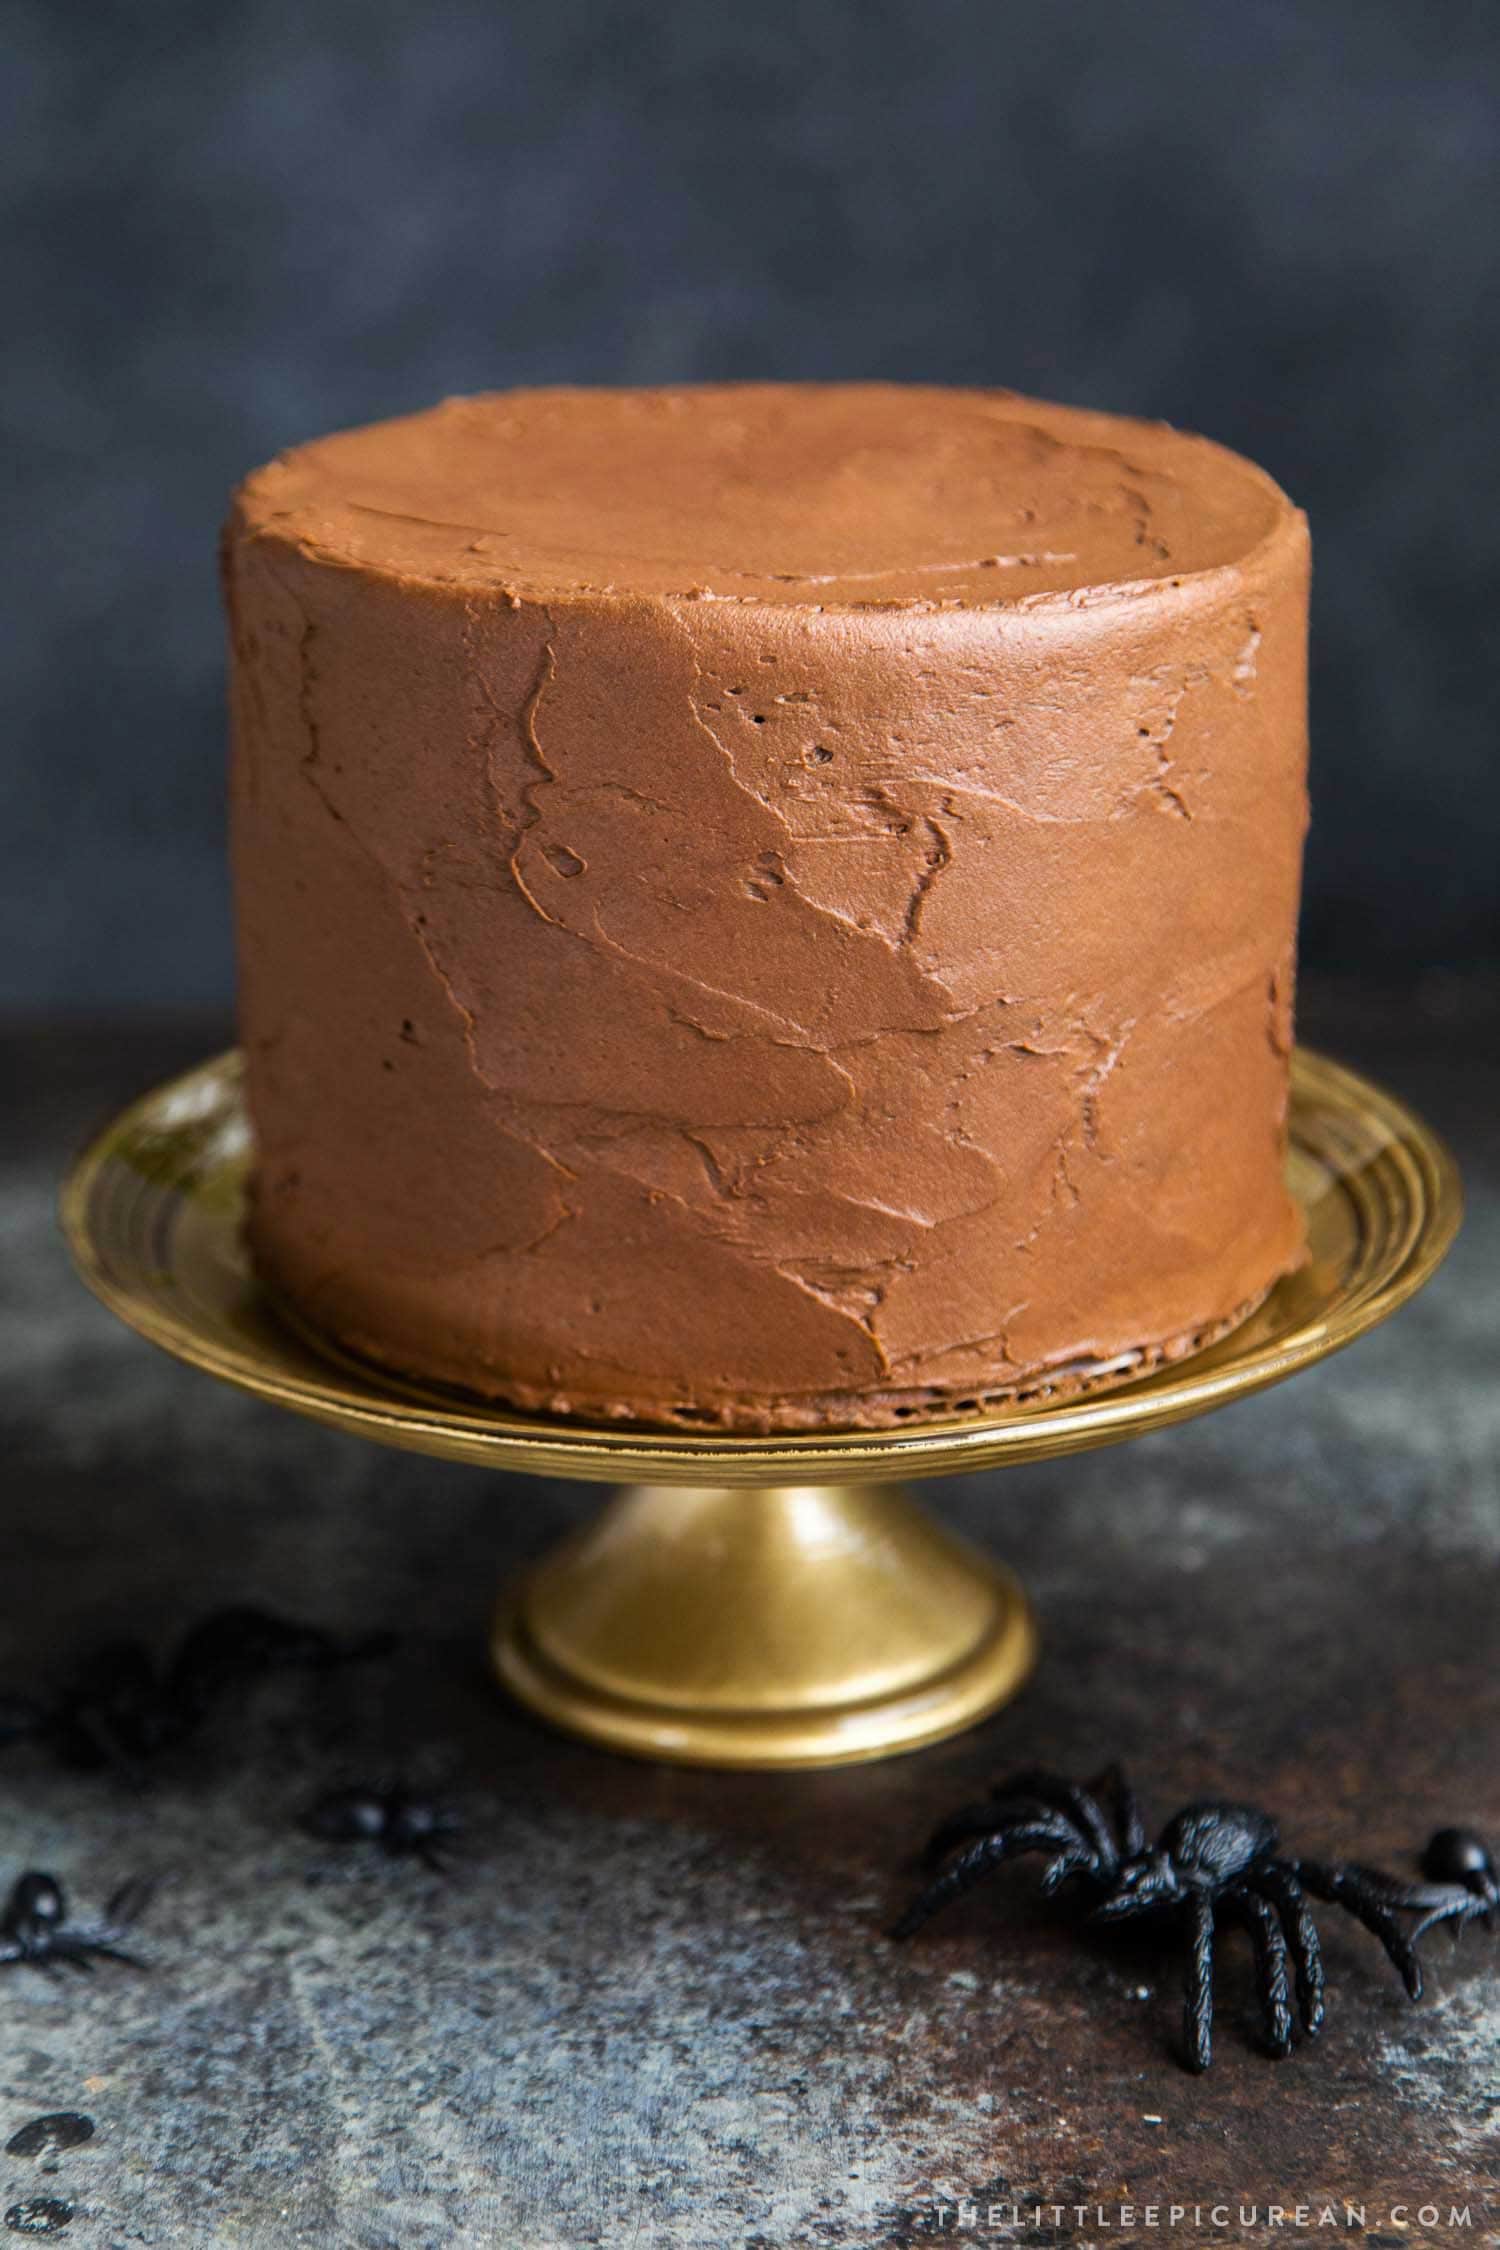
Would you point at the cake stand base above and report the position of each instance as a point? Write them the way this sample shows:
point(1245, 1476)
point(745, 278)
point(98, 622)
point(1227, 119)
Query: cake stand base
point(784, 1625)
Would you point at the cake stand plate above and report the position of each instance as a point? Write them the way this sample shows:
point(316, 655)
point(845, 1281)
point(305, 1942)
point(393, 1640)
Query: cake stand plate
point(748, 1601)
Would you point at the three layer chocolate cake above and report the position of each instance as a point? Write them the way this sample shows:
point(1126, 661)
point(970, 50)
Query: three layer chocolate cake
point(767, 906)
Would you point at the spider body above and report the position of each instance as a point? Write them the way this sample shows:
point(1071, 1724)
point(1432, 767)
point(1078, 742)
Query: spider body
point(120, 1708)
point(1457, 1855)
point(1211, 1863)
point(35, 1931)
point(1466, 1882)
point(403, 1825)
point(1202, 1850)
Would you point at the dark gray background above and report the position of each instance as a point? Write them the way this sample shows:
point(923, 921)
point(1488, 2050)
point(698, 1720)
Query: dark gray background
point(226, 229)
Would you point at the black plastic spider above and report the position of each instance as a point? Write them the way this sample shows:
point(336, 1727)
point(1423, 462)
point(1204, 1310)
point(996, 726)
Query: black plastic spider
point(120, 1707)
point(1211, 1861)
point(1457, 1858)
point(401, 1824)
point(35, 1930)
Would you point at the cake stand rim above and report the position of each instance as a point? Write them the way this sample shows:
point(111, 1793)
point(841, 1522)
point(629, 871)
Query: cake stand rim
point(412, 1418)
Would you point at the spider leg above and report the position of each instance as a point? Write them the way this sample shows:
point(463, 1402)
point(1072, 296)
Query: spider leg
point(1285, 1893)
point(1455, 1906)
point(1272, 1964)
point(1078, 1806)
point(1359, 1894)
point(1112, 1787)
point(1456, 1903)
point(1075, 1861)
point(971, 1866)
point(81, 1948)
point(129, 1902)
point(1198, 2019)
point(970, 1821)
point(432, 1859)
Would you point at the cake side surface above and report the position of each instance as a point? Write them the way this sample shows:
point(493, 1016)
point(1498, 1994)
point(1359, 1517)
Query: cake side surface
point(683, 982)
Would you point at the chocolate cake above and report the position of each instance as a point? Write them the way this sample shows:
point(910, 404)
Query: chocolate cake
point(767, 906)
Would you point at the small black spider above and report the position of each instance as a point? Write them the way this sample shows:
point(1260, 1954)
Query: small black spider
point(1210, 1861)
point(1457, 1859)
point(35, 1930)
point(120, 1707)
point(398, 1822)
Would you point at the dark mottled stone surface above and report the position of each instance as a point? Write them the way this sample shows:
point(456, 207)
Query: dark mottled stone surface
point(654, 2008)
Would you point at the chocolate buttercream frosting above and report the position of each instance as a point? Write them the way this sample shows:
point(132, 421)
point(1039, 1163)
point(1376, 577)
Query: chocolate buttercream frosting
point(768, 906)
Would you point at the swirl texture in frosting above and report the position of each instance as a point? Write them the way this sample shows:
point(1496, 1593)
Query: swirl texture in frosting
point(767, 905)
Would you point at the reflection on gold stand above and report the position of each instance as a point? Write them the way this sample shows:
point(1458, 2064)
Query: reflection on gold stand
point(747, 1601)
point(790, 1624)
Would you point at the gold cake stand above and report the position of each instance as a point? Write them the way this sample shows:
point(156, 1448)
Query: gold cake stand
point(747, 1601)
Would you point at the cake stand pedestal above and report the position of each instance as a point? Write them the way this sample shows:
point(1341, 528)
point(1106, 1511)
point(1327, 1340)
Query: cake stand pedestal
point(747, 1601)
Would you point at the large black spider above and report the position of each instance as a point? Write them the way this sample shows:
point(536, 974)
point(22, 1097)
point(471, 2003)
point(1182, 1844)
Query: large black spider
point(1210, 1861)
point(120, 1707)
point(35, 1931)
